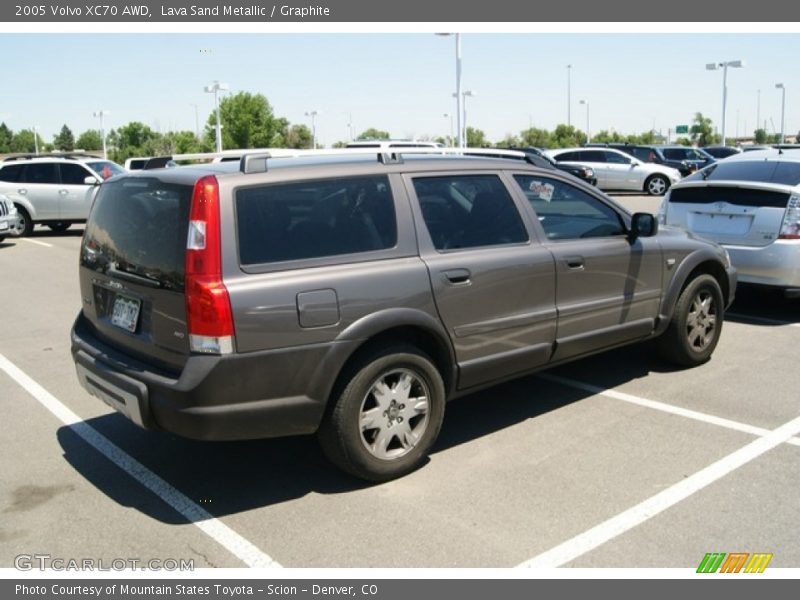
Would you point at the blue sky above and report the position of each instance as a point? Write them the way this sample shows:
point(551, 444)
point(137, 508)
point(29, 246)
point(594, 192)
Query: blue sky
point(399, 82)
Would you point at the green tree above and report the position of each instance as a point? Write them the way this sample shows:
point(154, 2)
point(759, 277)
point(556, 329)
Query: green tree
point(540, 138)
point(90, 140)
point(760, 136)
point(702, 131)
point(130, 140)
point(247, 122)
point(298, 136)
point(23, 141)
point(173, 142)
point(340, 145)
point(566, 136)
point(6, 135)
point(64, 141)
point(373, 134)
point(508, 141)
point(476, 138)
point(608, 137)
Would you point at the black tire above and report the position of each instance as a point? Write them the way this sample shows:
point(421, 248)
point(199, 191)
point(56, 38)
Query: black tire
point(25, 223)
point(656, 185)
point(696, 323)
point(358, 451)
point(59, 227)
point(2, 239)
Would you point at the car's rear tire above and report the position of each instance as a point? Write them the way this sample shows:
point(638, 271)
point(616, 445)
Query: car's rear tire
point(24, 221)
point(59, 227)
point(656, 185)
point(696, 323)
point(2, 239)
point(385, 416)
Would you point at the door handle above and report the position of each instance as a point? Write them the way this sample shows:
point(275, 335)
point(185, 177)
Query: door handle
point(22, 191)
point(63, 192)
point(457, 276)
point(575, 262)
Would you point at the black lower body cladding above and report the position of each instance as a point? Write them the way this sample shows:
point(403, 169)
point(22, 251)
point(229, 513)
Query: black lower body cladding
point(232, 397)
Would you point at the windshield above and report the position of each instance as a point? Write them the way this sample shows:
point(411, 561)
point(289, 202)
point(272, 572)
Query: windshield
point(105, 168)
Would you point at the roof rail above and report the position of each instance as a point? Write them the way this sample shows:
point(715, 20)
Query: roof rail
point(64, 155)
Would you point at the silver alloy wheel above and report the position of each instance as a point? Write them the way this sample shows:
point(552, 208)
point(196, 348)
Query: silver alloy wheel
point(394, 414)
point(701, 322)
point(657, 185)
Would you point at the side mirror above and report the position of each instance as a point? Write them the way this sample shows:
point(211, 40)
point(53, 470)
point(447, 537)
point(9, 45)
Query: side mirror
point(91, 180)
point(643, 225)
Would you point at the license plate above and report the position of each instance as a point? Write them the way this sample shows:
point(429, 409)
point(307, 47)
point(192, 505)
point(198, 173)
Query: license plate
point(3, 225)
point(126, 313)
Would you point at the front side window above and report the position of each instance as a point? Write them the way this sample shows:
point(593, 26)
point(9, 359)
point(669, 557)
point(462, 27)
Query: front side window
point(595, 156)
point(106, 168)
point(314, 219)
point(566, 212)
point(468, 211)
point(72, 174)
point(11, 173)
point(619, 159)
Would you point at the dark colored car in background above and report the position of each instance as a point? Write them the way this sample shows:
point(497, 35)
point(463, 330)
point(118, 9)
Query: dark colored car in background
point(719, 152)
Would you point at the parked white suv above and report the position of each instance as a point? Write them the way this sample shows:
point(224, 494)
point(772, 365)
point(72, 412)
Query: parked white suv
point(56, 190)
point(617, 170)
point(750, 204)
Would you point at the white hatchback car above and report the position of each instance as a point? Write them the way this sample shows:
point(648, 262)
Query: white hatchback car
point(750, 204)
point(617, 170)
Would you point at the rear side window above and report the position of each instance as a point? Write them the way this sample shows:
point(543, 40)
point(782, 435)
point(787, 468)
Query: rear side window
point(566, 212)
point(676, 154)
point(40, 173)
point(468, 211)
point(314, 219)
point(598, 156)
point(766, 171)
point(10, 173)
point(567, 156)
point(138, 228)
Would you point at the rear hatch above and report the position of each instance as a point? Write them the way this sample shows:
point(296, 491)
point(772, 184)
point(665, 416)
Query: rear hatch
point(730, 212)
point(132, 269)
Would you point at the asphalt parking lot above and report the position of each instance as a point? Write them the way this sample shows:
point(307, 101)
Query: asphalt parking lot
point(614, 461)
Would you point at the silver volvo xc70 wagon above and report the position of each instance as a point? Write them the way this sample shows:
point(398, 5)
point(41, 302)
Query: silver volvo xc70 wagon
point(352, 296)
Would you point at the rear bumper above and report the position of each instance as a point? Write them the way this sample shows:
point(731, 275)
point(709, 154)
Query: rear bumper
point(9, 225)
point(777, 264)
point(233, 397)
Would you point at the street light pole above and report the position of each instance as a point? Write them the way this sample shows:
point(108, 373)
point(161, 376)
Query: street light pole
point(196, 120)
point(758, 110)
point(737, 64)
point(463, 141)
point(36, 139)
point(101, 114)
point(588, 135)
point(458, 94)
point(569, 93)
point(215, 88)
point(782, 88)
point(313, 114)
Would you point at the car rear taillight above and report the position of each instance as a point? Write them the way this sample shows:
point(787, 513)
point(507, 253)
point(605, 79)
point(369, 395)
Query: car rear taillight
point(208, 309)
point(790, 228)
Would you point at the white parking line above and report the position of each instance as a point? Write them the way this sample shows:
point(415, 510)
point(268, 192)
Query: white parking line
point(37, 242)
point(761, 320)
point(627, 520)
point(663, 407)
point(237, 545)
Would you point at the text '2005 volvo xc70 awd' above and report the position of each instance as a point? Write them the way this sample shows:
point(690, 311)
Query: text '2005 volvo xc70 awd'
point(352, 297)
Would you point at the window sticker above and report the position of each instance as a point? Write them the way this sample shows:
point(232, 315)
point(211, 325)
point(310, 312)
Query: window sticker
point(543, 190)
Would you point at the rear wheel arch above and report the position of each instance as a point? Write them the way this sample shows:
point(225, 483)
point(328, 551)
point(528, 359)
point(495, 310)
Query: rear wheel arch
point(688, 271)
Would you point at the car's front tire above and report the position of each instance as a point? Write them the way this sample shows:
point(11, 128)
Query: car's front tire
point(387, 415)
point(656, 185)
point(696, 323)
point(24, 222)
point(59, 226)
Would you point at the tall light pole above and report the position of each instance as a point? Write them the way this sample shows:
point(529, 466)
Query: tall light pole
point(569, 93)
point(458, 94)
point(588, 135)
point(196, 120)
point(781, 87)
point(758, 110)
point(313, 114)
point(350, 126)
point(463, 141)
point(452, 137)
point(736, 64)
point(215, 88)
point(36, 139)
point(102, 114)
